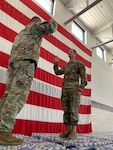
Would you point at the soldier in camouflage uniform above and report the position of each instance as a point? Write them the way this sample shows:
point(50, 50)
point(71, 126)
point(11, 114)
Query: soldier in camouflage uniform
point(22, 63)
point(70, 98)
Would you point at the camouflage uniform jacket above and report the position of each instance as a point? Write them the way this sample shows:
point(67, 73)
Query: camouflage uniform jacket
point(27, 43)
point(72, 71)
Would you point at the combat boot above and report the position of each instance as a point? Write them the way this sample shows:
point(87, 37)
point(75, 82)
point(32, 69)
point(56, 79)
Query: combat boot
point(72, 134)
point(6, 138)
point(65, 134)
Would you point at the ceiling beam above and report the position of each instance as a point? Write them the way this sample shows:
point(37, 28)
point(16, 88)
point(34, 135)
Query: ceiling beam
point(103, 28)
point(83, 11)
point(104, 43)
point(109, 24)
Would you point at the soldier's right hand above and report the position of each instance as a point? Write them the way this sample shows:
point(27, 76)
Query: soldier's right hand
point(56, 59)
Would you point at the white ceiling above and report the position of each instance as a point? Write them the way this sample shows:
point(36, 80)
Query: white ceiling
point(98, 19)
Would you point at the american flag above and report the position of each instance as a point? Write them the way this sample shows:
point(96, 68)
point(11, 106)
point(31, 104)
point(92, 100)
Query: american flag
point(43, 111)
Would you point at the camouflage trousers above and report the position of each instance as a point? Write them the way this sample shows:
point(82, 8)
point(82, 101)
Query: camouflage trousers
point(19, 80)
point(70, 102)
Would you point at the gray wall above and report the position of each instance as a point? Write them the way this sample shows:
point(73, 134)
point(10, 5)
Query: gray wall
point(102, 78)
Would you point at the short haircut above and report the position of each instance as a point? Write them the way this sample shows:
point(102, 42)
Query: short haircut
point(34, 19)
point(74, 50)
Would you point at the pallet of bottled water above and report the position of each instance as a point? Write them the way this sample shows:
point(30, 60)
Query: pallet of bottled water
point(91, 141)
point(32, 143)
point(46, 141)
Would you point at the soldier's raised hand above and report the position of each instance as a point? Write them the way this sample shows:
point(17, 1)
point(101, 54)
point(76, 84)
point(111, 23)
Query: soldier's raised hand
point(56, 59)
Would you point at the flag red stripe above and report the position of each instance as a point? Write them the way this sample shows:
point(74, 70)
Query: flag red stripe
point(43, 14)
point(50, 57)
point(35, 98)
point(84, 109)
point(88, 77)
point(54, 80)
point(65, 48)
point(2, 89)
point(85, 128)
point(30, 4)
point(9, 34)
point(74, 40)
point(48, 77)
point(4, 59)
point(47, 55)
point(28, 127)
point(39, 99)
point(39, 73)
point(86, 92)
point(14, 13)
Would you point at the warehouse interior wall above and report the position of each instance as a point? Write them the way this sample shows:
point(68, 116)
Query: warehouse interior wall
point(101, 82)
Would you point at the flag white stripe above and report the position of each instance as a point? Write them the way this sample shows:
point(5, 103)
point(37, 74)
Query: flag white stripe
point(3, 75)
point(41, 87)
point(60, 36)
point(85, 100)
point(42, 63)
point(10, 22)
point(48, 66)
point(37, 85)
point(56, 51)
point(45, 88)
point(37, 113)
point(68, 42)
point(5, 46)
point(23, 8)
point(84, 119)
point(13, 23)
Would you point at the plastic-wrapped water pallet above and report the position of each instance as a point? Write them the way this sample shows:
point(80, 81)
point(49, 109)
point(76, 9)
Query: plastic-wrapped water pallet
point(31, 143)
point(79, 144)
point(40, 141)
point(83, 142)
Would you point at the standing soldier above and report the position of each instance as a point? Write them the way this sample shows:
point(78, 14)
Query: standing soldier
point(71, 88)
point(23, 61)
